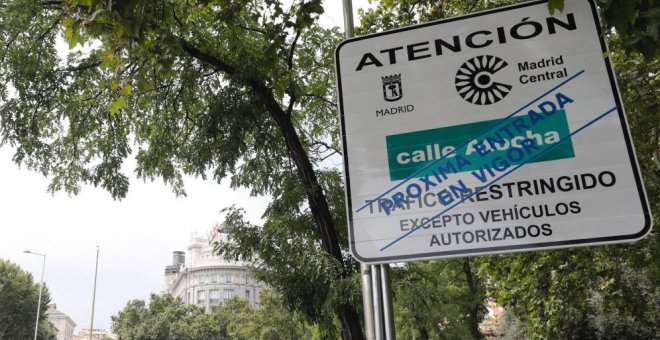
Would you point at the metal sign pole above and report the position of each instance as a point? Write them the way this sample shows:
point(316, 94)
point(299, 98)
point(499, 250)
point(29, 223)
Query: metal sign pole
point(375, 279)
point(388, 312)
point(367, 301)
point(348, 18)
point(365, 269)
point(378, 300)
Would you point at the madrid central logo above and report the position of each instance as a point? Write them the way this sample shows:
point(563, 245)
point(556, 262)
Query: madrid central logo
point(475, 80)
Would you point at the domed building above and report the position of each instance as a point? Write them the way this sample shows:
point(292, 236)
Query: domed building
point(201, 277)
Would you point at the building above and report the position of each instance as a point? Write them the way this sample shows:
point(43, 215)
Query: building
point(492, 327)
point(98, 334)
point(63, 323)
point(203, 278)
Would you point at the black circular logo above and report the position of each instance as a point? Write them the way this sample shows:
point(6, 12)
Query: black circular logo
point(475, 80)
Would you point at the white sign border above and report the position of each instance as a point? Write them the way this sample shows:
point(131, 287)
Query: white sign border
point(648, 221)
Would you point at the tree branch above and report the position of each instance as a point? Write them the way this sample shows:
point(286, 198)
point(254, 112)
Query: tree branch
point(290, 91)
point(206, 57)
point(333, 104)
point(289, 61)
point(315, 195)
point(327, 147)
point(81, 67)
point(251, 29)
point(472, 6)
point(6, 49)
point(334, 152)
point(51, 27)
point(292, 100)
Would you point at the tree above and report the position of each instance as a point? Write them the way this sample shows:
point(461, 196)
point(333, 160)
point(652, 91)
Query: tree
point(637, 22)
point(166, 317)
point(19, 296)
point(272, 320)
point(240, 88)
point(393, 14)
point(434, 300)
point(285, 256)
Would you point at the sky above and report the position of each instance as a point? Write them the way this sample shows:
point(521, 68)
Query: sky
point(135, 236)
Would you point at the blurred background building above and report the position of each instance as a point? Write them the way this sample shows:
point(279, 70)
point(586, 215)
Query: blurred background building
point(206, 279)
point(493, 325)
point(99, 334)
point(63, 323)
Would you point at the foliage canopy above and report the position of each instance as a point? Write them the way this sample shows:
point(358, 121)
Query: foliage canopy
point(19, 296)
point(166, 317)
point(205, 88)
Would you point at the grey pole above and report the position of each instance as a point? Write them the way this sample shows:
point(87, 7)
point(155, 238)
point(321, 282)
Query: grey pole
point(348, 18)
point(367, 301)
point(365, 269)
point(376, 289)
point(96, 272)
point(388, 312)
point(41, 288)
point(378, 300)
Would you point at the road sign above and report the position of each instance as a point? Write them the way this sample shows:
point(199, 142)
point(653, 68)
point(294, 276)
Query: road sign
point(495, 132)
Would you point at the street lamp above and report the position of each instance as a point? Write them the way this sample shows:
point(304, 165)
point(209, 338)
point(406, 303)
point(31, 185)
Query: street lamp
point(41, 288)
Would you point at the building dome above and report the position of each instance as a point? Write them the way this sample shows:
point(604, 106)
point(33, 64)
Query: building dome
point(203, 278)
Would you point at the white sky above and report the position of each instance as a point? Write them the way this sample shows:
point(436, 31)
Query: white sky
point(136, 236)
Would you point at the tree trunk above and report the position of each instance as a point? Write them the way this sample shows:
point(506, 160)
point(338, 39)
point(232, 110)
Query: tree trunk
point(476, 300)
point(423, 333)
point(421, 327)
point(318, 204)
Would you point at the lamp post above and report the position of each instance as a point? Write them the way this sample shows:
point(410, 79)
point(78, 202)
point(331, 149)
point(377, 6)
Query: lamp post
point(41, 288)
point(96, 272)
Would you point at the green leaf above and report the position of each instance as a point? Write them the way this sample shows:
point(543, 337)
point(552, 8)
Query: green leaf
point(109, 61)
point(144, 85)
point(127, 89)
point(555, 5)
point(117, 104)
point(72, 32)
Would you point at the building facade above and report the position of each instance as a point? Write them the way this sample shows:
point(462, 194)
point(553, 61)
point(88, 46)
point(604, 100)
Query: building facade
point(206, 279)
point(62, 322)
point(97, 334)
point(492, 326)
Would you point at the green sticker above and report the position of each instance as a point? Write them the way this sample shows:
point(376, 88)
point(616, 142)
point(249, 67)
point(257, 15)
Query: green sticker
point(409, 152)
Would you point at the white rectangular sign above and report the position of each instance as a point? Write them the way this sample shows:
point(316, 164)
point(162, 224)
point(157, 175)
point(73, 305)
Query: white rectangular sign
point(495, 132)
